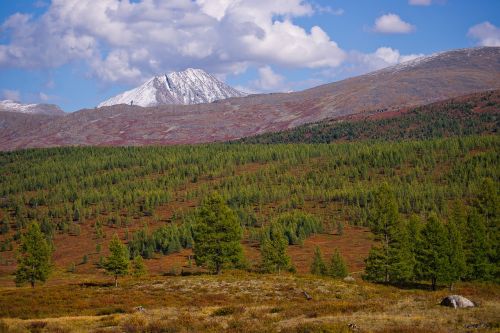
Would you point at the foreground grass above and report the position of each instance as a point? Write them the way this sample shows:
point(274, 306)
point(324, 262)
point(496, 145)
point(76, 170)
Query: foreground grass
point(242, 302)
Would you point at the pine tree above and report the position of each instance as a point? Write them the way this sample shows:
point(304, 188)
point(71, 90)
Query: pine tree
point(456, 253)
point(338, 267)
point(318, 266)
point(433, 252)
point(34, 259)
point(118, 262)
point(477, 248)
point(217, 235)
point(273, 250)
point(138, 267)
point(392, 261)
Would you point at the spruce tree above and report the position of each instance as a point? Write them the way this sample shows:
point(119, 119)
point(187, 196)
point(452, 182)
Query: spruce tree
point(273, 250)
point(338, 267)
point(217, 235)
point(118, 262)
point(34, 258)
point(318, 266)
point(433, 252)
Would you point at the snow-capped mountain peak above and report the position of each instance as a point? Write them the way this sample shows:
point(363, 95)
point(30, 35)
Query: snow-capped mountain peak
point(13, 106)
point(192, 86)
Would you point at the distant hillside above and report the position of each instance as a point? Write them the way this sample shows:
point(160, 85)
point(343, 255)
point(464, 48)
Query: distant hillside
point(472, 114)
point(419, 82)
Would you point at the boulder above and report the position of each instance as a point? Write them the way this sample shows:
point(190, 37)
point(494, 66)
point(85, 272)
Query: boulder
point(349, 279)
point(457, 301)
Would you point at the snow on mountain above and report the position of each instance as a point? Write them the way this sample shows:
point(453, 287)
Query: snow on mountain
point(13, 106)
point(192, 86)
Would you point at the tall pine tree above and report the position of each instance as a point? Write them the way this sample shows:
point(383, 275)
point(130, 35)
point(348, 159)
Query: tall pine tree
point(217, 235)
point(391, 261)
point(433, 252)
point(34, 258)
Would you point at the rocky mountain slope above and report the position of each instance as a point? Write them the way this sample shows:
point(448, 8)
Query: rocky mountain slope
point(427, 80)
point(47, 109)
point(192, 86)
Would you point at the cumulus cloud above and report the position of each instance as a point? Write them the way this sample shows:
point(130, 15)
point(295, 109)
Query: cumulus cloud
point(269, 81)
point(361, 63)
point(486, 34)
point(420, 2)
point(392, 24)
point(125, 41)
point(14, 95)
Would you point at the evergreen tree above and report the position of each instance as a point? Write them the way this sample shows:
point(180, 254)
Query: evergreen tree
point(392, 261)
point(338, 267)
point(34, 259)
point(318, 266)
point(273, 250)
point(217, 235)
point(118, 262)
point(456, 253)
point(414, 229)
point(138, 267)
point(433, 252)
point(376, 265)
point(477, 248)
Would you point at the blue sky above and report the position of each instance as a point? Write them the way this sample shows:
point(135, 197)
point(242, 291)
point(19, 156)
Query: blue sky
point(77, 53)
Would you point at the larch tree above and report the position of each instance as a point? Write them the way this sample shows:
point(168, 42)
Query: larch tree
point(118, 262)
point(318, 266)
point(273, 250)
point(338, 267)
point(391, 261)
point(217, 235)
point(34, 258)
point(433, 252)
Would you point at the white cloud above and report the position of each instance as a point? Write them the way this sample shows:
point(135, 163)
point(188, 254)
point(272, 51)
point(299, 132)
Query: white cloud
point(358, 63)
point(486, 33)
point(420, 2)
point(392, 24)
point(14, 95)
point(269, 81)
point(124, 41)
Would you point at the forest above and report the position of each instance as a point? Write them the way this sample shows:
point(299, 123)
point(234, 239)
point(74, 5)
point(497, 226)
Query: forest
point(470, 115)
point(305, 188)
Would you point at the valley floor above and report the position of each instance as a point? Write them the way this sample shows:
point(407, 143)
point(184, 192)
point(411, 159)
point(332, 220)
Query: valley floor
point(241, 302)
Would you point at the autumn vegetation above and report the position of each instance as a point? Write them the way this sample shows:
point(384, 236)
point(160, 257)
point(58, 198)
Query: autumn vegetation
point(232, 220)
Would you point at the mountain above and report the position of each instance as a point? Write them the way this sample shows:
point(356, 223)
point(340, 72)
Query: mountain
point(192, 86)
point(427, 80)
point(12, 106)
point(475, 114)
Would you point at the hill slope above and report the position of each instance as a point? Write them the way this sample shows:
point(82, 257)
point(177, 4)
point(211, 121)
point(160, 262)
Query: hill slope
point(467, 115)
point(427, 80)
point(192, 86)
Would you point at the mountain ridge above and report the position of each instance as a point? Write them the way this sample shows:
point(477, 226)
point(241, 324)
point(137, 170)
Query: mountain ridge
point(13, 106)
point(447, 75)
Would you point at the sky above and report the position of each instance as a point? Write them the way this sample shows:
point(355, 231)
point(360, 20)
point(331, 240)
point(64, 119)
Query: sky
point(78, 53)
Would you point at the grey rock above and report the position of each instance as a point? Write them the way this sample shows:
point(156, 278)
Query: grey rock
point(457, 301)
